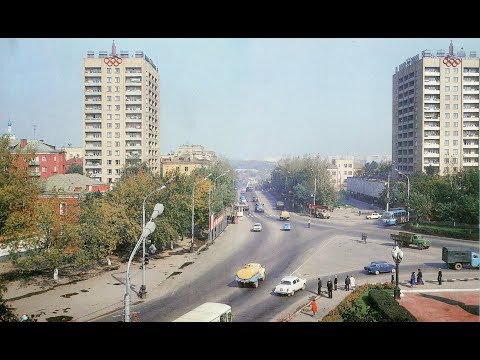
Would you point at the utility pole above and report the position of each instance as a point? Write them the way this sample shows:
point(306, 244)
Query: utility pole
point(388, 191)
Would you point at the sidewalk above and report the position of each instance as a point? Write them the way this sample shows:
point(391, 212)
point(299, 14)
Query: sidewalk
point(455, 300)
point(72, 300)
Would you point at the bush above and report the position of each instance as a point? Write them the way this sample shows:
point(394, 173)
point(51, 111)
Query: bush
point(389, 307)
point(458, 232)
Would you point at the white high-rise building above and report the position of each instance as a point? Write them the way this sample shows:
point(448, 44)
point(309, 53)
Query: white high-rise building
point(121, 107)
point(435, 115)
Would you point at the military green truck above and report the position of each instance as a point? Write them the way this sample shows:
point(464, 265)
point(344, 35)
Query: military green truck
point(408, 239)
point(456, 258)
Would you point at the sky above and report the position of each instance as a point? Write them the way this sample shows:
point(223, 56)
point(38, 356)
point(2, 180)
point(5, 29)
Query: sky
point(244, 98)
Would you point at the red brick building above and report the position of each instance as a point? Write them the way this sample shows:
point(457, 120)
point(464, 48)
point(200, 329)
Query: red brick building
point(48, 160)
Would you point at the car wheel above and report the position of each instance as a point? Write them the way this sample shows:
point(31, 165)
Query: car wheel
point(377, 272)
point(293, 293)
point(458, 266)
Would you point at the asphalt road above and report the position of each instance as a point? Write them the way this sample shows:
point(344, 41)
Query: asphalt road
point(330, 247)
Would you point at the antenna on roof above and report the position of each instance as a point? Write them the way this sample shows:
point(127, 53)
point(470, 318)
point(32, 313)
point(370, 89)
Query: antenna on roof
point(34, 131)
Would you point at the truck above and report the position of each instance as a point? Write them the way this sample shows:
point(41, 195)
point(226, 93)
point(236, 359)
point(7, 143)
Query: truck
point(250, 274)
point(407, 239)
point(320, 211)
point(456, 258)
point(280, 205)
point(284, 215)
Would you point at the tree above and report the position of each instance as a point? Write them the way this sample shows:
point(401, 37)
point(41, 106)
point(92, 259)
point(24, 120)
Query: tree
point(75, 169)
point(6, 312)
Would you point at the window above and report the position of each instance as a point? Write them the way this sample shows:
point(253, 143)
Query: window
point(455, 88)
point(117, 144)
point(109, 89)
point(109, 70)
point(455, 133)
point(117, 107)
point(344, 173)
point(54, 157)
point(109, 116)
point(349, 165)
point(44, 169)
point(455, 106)
point(54, 169)
point(109, 79)
point(447, 97)
point(454, 160)
point(117, 70)
point(117, 116)
point(44, 158)
point(186, 168)
point(109, 144)
point(447, 88)
point(447, 106)
point(109, 162)
point(117, 134)
point(455, 70)
point(109, 152)
point(447, 116)
point(109, 171)
point(117, 88)
point(447, 71)
point(63, 208)
point(110, 180)
point(109, 134)
point(117, 171)
point(109, 125)
point(455, 97)
point(455, 124)
point(117, 125)
point(117, 98)
point(117, 79)
point(446, 152)
point(455, 151)
point(446, 143)
point(117, 152)
point(445, 160)
point(349, 173)
point(447, 79)
point(109, 98)
point(455, 142)
point(447, 133)
point(447, 124)
point(109, 107)
point(117, 162)
point(455, 79)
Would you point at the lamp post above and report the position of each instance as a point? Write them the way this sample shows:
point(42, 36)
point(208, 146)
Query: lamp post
point(397, 255)
point(193, 207)
point(147, 230)
point(408, 193)
point(143, 289)
point(210, 200)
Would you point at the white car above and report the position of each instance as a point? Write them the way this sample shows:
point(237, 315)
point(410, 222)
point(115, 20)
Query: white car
point(289, 285)
point(373, 215)
point(257, 227)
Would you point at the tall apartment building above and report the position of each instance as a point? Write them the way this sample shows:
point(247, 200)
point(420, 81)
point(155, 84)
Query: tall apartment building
point(121, 104)
point(435, 112)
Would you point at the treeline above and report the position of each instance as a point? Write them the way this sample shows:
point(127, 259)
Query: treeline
point(106, 224)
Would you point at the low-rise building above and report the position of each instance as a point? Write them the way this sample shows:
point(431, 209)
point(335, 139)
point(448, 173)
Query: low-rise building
point(186, 159)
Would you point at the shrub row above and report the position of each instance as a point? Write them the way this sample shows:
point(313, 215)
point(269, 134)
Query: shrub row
point(452, 232)
point(389, 307)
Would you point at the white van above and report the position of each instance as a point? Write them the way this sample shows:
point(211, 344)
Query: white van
point(208, 312)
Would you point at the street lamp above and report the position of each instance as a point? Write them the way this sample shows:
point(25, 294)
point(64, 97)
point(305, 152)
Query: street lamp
point(397, 255)
point(193, 207)
point(210, 200)
point(147, 230)
point(143, 289)
point(408, 193)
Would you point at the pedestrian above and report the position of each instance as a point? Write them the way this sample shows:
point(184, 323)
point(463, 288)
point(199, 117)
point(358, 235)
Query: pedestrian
point(365, 237)
point(352, 282)
point(439, 277)
point(329, 288)
point(319, 286)
point(314, 308)
point(347, 283)
point(359, 213)
point(413, 279)
point(335, 282)
point(420, 277)
point(393, 278)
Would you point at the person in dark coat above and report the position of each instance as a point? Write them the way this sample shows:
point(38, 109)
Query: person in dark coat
point(330, 288)
point(335, 282)
point(319, 286)
point(420, 277)
point(413, 279)
point(347, 283)
point(439, 277)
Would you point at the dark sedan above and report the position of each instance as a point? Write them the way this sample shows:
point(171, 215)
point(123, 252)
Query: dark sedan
point(377, 267)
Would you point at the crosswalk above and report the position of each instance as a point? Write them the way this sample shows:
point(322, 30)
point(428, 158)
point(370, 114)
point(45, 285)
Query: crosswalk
point(260, 215)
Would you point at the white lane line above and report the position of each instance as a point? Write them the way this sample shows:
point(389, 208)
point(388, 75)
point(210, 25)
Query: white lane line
point(322, 246)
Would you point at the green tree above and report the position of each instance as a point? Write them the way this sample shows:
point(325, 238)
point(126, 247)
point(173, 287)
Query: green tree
point(6, 312)
point(75, 169)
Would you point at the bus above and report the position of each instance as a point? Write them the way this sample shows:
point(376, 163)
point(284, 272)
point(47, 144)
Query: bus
point(394, 217)
point(208, 312)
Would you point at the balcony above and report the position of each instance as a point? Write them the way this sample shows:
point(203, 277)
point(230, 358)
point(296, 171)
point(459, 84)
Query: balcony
point(470, 163)
point(470, 154)
point(470, 144)
point(34, 173)
point(470, 134)
point(90, 144)
point(133, 128)
point(470, 71)
point(93, 89)
point(93, 164)
point(133, 109)
point(470, 79)
point(93, 155)
point(34, 163)
point(431, 99)
point(470, 89)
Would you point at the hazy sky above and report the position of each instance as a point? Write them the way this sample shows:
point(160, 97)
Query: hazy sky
point(242, 98)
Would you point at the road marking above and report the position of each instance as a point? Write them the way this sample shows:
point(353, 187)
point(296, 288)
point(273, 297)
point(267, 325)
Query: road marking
point(322, 246)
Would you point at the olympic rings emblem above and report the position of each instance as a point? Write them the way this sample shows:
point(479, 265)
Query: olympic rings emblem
point(451, 61)
point(115, 61)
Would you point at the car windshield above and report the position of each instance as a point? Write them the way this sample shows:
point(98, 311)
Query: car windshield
point(286, 282)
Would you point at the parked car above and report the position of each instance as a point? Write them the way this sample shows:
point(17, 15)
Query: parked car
point(257, 227)
point(287, 227)
point(289, 285)
point(373, 215)
point(377, 267)
point(254, 198)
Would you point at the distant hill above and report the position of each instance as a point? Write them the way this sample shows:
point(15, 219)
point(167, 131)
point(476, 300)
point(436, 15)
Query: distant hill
point(252, 164)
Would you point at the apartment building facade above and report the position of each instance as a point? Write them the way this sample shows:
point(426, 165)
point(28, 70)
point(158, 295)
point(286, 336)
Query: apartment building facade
point(435, 112)
point(121, 102)
point(186, 159)
point(340, 169)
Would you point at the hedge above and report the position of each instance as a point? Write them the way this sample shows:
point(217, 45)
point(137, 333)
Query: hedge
point(389, 307)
